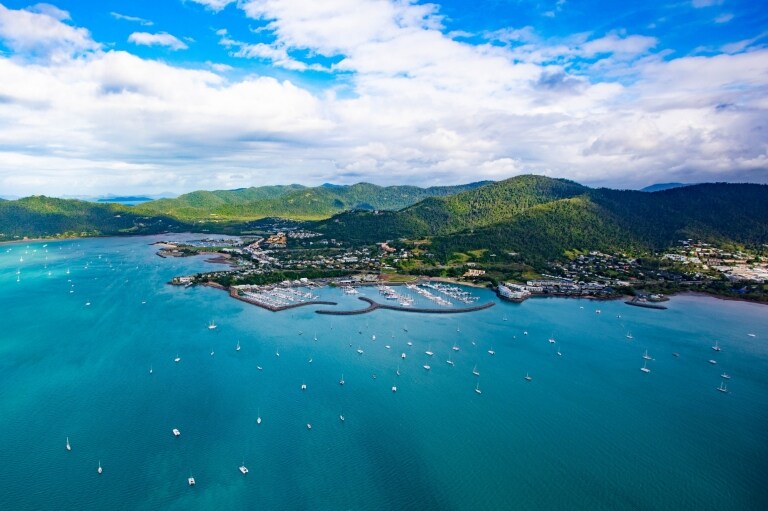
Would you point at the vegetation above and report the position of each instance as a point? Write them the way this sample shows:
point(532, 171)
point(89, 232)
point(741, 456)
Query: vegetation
point(40, 216)
point(293, 201)
point(542, 219)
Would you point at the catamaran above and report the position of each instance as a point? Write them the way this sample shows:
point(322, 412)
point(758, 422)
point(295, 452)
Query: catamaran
point(722, 387)
point(645, 367)
point(243, 468)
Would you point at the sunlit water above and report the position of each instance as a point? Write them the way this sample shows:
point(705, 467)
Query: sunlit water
point(589, 431)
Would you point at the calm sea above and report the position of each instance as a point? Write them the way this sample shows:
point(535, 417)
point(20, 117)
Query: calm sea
point(84, 321)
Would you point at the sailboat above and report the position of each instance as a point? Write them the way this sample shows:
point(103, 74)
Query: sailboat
point(69, 447)
point(491, 352)
point(455, 347)
point(191, 480)
point(429, 351)
point(99, 470)
point(725, 376)
point(258, 416)
point(341, 381)
point(477, 388)
point(552, 340)
point(528, 377)
point(177, 359)
point(475, 372)
point(716, 347)
point(402, 355)
point(237, 348)
point(630, 336)
point(449, 361)
point(645, 367)
point(341, 416)
point(359, 350)
point(315, 335)
point(398, 370)
point(427, 367)
point(243, 468)
point(150, 369)
point(722, 387)
point(646, 356)
point(211, 325)
point(558, 352)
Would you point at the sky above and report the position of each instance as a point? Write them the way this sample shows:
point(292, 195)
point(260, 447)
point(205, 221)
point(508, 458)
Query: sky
point(138, 96)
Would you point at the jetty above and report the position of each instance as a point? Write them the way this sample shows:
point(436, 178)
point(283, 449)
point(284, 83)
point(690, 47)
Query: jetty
point(372, 306)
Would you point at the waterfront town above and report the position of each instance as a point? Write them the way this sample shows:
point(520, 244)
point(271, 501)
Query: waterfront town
point(293, 257)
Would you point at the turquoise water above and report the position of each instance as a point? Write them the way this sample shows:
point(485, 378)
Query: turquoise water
point(590, 431)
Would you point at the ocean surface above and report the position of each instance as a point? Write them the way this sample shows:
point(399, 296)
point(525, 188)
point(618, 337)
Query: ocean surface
point(83, 321)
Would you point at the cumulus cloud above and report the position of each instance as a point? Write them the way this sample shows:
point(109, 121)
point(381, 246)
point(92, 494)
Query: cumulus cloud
point(414, 106)
point(158, 39)
point(41, 33)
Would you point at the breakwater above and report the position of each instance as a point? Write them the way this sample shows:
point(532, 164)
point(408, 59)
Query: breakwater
point(372, 306)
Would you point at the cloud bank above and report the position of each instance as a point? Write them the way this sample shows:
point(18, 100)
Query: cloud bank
point(408, 104)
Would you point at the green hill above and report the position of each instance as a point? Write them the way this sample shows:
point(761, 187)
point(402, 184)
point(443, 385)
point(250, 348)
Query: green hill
point(541, 218)
point(293, 201)
point(40, 216)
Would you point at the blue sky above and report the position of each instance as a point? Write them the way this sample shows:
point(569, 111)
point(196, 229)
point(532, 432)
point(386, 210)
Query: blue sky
point(176, 95)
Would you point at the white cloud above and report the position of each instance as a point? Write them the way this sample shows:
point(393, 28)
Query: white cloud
point(135, 19)
point(214, 5)
point(158, 39)
point(42, 34)
point(49, 10)
point(415, 106)
point(724, 18)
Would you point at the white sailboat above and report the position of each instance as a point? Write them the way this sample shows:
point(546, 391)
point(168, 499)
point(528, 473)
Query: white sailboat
point(69, 447)
point(491, 352)
point(398, 370)
point(237, 348)
point(449, 361)
point(455, 347)
point(477, 388)
point(359, 350)
point(725, 376)
point(177, 359)
point(528, 377)
point(716, 347)
point(427, 367)
point(645, 367)
point(341, 381)
point(243, 469)
point(552, 340)
point(150, 369)
point(258, 416)
point(646, 356)
point(474, 371)
point(429, 351)
point(722, 387)
point(630, 336)
point(211, 325)
point(99, 470)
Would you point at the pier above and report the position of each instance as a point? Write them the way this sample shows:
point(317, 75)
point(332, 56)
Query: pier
point(372, 306)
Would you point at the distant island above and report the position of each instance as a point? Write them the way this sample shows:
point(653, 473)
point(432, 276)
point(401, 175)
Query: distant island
point(705, 237)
